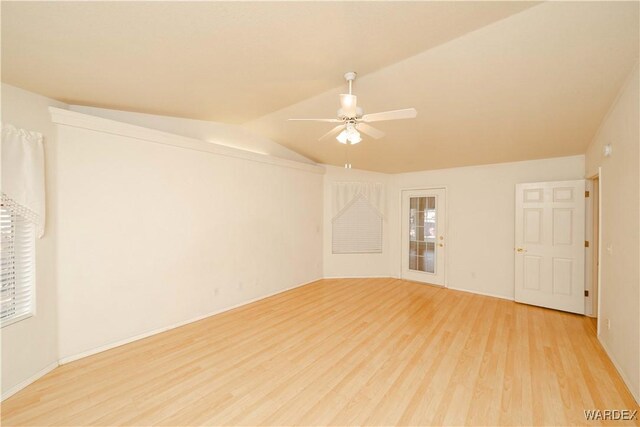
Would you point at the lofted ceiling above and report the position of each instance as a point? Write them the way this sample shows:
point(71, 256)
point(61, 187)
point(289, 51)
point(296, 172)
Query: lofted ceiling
point(221, 61)
point(492, 81)
point(534, 85)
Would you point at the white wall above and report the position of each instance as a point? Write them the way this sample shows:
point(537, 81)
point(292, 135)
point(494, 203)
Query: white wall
point(152, 235)
point(620, 231)
point(356, 265)
point(30, 346)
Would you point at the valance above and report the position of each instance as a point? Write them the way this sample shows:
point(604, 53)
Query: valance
point(23, 174)
point(345, 193)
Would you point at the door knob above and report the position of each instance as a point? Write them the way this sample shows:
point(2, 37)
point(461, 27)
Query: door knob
point(521, 250)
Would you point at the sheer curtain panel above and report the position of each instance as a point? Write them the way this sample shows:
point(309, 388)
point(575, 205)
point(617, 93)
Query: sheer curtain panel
point(23, 188)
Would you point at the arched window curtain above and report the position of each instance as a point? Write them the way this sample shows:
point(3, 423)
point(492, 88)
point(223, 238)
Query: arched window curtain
point(23, 174)
point(345, 193)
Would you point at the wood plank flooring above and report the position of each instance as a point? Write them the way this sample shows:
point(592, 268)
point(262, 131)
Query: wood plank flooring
point(342, 352)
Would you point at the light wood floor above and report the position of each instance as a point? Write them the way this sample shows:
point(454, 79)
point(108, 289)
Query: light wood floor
point(338, 352)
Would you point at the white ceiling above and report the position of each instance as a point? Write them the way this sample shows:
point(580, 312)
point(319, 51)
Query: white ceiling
point(535, 85)
point(492, 81)
point(221, 61)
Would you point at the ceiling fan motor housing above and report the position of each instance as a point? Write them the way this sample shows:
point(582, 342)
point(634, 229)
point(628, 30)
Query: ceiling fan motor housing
point(343, 116)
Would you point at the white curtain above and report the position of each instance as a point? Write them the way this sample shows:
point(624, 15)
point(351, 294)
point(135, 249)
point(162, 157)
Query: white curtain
point(345, 193)
point(23, 174)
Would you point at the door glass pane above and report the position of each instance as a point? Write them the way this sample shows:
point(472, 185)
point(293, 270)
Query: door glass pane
point(422, 201)
point(422, 234)
point(430, 258)
point(414, 203)
point(413, 263)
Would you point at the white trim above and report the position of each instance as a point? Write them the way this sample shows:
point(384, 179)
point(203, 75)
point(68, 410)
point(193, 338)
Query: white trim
point(634, 393)
point(588, 252)
point(61, 116)
point(119, 343)
point(359, 277)
point(485, 294)
point(33, 378)
point(599, 322)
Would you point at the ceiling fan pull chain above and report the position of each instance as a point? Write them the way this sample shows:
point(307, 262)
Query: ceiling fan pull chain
point(347, 165)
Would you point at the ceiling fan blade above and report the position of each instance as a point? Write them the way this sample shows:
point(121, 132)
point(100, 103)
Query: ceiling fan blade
point(349, 104)
point(316, 120)
point(331, 132)
point(369, 130)
point(407, 113)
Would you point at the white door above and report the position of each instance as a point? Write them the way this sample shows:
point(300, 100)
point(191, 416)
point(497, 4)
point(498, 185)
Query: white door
point(549, 251)
point(423, 235)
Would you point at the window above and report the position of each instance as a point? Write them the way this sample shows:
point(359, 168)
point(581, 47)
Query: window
point(17, 294)
point(358, 229)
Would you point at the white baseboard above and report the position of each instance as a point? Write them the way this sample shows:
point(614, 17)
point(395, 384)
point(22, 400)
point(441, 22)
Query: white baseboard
point(16, 388)
point(115, 344)
point(359, 277)
point(634, 393)
point(486, 294)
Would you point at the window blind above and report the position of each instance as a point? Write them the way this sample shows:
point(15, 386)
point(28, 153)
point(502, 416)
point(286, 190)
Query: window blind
point(18, 266)
point(358, 229)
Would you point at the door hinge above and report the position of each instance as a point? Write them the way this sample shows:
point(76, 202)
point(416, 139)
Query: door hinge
point(586, 293)
point(586, 193)
point(586, 243)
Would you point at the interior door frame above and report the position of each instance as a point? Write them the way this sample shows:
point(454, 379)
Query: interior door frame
point(599, 323)
point(589, 226)
point(593, 261)
point(445, 283)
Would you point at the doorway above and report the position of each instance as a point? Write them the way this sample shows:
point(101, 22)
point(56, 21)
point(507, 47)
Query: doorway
point(424, 235)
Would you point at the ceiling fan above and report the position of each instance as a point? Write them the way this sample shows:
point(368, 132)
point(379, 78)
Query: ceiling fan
point(353, 120)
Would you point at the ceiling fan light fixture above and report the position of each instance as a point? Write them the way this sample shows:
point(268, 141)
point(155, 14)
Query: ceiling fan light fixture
point(349, 136)
point(342, 137)
point(354, 137)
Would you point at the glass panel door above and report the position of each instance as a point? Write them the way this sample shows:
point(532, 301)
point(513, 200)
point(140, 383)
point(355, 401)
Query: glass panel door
point(422, 234)
point(424, 219)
